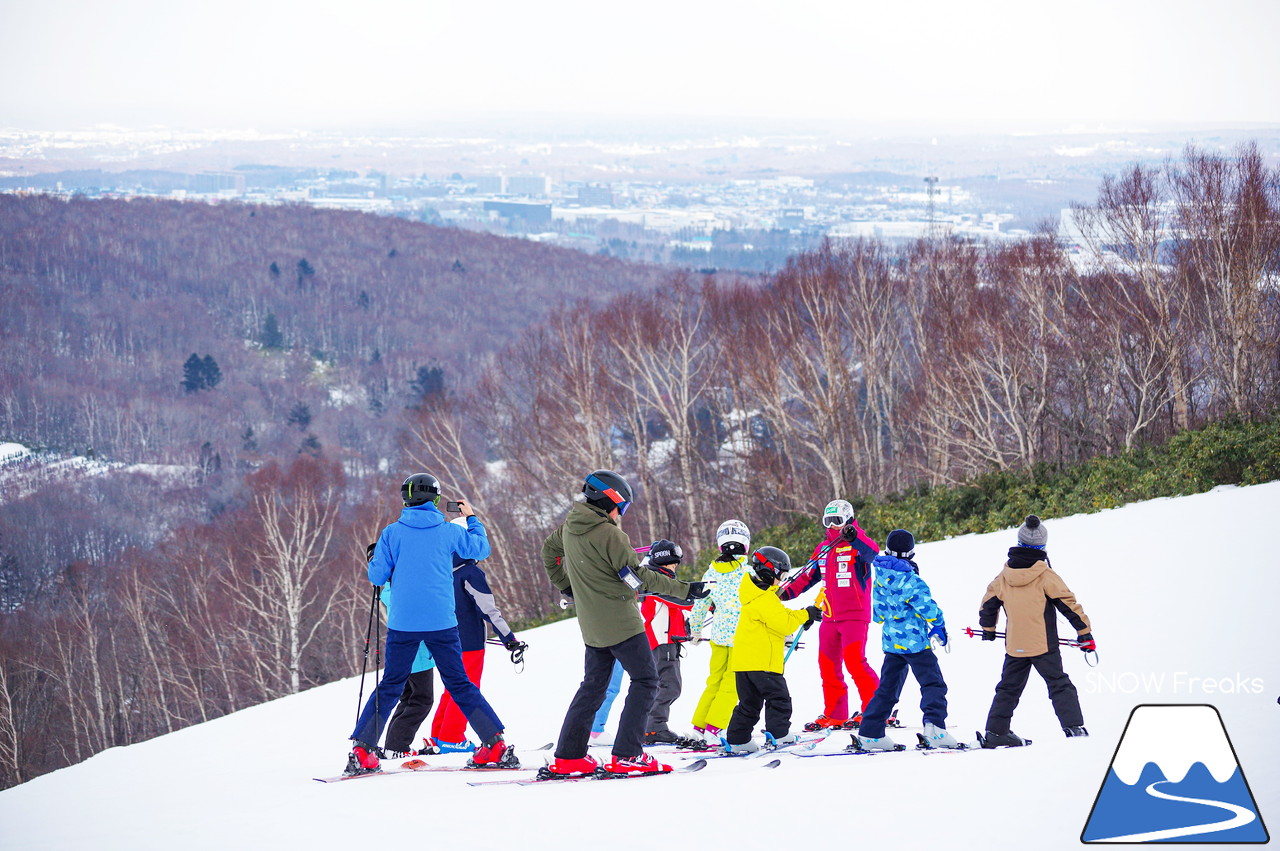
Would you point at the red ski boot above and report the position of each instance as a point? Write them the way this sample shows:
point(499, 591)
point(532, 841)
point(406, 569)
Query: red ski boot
point(573, 767)
point(643, 764)
point(494, 753)
point(362, 760)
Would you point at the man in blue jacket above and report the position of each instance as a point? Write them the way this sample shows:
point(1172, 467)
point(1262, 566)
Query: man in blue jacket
point(416, 554)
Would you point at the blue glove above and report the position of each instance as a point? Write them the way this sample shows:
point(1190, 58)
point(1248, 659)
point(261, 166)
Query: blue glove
point(941, 632)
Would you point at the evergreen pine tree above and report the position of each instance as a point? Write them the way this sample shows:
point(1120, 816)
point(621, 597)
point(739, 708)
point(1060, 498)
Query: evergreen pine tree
point(193, 374)
point(272, 337)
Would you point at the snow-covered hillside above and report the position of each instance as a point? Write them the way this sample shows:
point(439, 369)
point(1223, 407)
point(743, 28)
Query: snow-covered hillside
point(1182, 594)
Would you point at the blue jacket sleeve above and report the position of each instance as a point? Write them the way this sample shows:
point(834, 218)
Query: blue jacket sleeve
point(383, 562)
point(474, 542)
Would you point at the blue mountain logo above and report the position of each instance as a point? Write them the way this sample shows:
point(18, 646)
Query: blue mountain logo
point(1175, 778)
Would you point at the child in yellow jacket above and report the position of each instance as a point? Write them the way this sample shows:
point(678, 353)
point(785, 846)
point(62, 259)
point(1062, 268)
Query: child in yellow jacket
point(758, 650)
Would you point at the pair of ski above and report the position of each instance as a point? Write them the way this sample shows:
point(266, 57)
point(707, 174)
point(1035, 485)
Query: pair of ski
point(544, 776)
point(922, 747)
point(807, 743)
point(411, 766)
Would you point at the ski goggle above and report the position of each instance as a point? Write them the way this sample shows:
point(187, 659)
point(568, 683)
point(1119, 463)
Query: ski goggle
point(831, 521)
point(777, 570)
point(612, 493)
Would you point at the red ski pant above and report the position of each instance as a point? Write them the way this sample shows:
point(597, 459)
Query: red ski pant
point(843, 644)
point(449, 724)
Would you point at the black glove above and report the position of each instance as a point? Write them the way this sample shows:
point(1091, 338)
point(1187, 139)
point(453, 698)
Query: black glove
point(1087, 644)
point(698, 590)
point(988, 635)
point(368, 551)
point(567, 593)
point(663, 552)
point(849, 532)
point(517, 649)
point(815, 615)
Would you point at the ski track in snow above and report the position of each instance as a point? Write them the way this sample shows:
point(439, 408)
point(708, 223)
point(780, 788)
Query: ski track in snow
point(1240, 818)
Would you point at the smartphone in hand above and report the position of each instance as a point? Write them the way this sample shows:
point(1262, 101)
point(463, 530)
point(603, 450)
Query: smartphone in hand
point(454, 507)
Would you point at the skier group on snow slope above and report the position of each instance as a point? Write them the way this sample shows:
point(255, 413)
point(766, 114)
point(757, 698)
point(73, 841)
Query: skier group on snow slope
point(438, 604)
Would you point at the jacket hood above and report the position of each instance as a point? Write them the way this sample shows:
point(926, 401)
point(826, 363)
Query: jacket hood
point(422, 516)
point(1019, 576)
point(728, 566)
point(583, 518)
point(749, 591)
point(1020, 557)
point(888, 562)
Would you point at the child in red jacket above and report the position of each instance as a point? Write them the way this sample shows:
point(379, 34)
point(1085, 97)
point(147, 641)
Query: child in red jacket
point(666, 628)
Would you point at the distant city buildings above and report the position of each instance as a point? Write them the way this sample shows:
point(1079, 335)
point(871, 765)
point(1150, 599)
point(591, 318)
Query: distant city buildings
point(715, 219)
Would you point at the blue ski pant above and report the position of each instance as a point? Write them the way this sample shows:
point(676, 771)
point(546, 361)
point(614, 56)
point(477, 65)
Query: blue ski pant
point(893, 676)
point(398, 662)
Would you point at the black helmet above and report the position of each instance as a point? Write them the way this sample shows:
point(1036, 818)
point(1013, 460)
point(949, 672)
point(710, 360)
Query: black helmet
point(770, 564)
point(420, 488)
point(607, 490)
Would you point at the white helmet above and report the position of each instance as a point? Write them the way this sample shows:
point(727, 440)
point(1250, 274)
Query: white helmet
point(837, 513)
point(733, 532)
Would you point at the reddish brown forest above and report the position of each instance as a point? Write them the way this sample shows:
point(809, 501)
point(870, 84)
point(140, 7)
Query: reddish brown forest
point(862, 368)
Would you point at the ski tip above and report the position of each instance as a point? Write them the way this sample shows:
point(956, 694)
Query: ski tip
point(773, 763)
point(548, 746)
point(696, 765)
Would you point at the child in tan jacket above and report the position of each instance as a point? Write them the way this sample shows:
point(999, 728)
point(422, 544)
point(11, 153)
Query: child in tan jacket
point(1031, 595)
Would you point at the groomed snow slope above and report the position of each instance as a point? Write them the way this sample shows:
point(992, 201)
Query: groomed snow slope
point(1182, 593)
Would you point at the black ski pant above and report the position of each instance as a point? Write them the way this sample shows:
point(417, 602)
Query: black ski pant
point(1066, 702)
point(415, 705)
point(893, 676)
point(667, 659)
point(637, 661)
point(759, 690)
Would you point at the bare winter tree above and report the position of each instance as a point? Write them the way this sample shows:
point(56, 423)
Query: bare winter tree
point(280, 584)
point(1228, 215)
point(663, 354)
point(10, 751)
point(1127, 234)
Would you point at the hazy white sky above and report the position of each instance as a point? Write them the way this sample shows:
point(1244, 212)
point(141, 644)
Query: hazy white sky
point(993, 64)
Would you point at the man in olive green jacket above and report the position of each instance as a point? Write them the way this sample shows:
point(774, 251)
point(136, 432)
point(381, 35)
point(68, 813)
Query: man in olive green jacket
point(591, 560)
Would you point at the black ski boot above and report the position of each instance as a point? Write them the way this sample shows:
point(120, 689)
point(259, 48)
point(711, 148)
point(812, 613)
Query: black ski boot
point(1075, 732)
point(661, 737)
point(1001, 740)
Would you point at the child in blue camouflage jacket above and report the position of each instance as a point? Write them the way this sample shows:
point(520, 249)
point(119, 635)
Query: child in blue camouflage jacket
point(902, 602)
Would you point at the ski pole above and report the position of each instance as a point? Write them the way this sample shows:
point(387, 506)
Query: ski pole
point(517, 653)
point(820, 602)
point(1090, 656)
point(977, 633)
point(811, 562)
point(364, 659)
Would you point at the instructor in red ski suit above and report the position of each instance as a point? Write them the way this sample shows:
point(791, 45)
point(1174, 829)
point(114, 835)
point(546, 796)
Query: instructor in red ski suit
point(843, 562)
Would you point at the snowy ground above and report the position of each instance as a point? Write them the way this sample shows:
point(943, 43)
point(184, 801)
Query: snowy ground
point(1181, 593)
